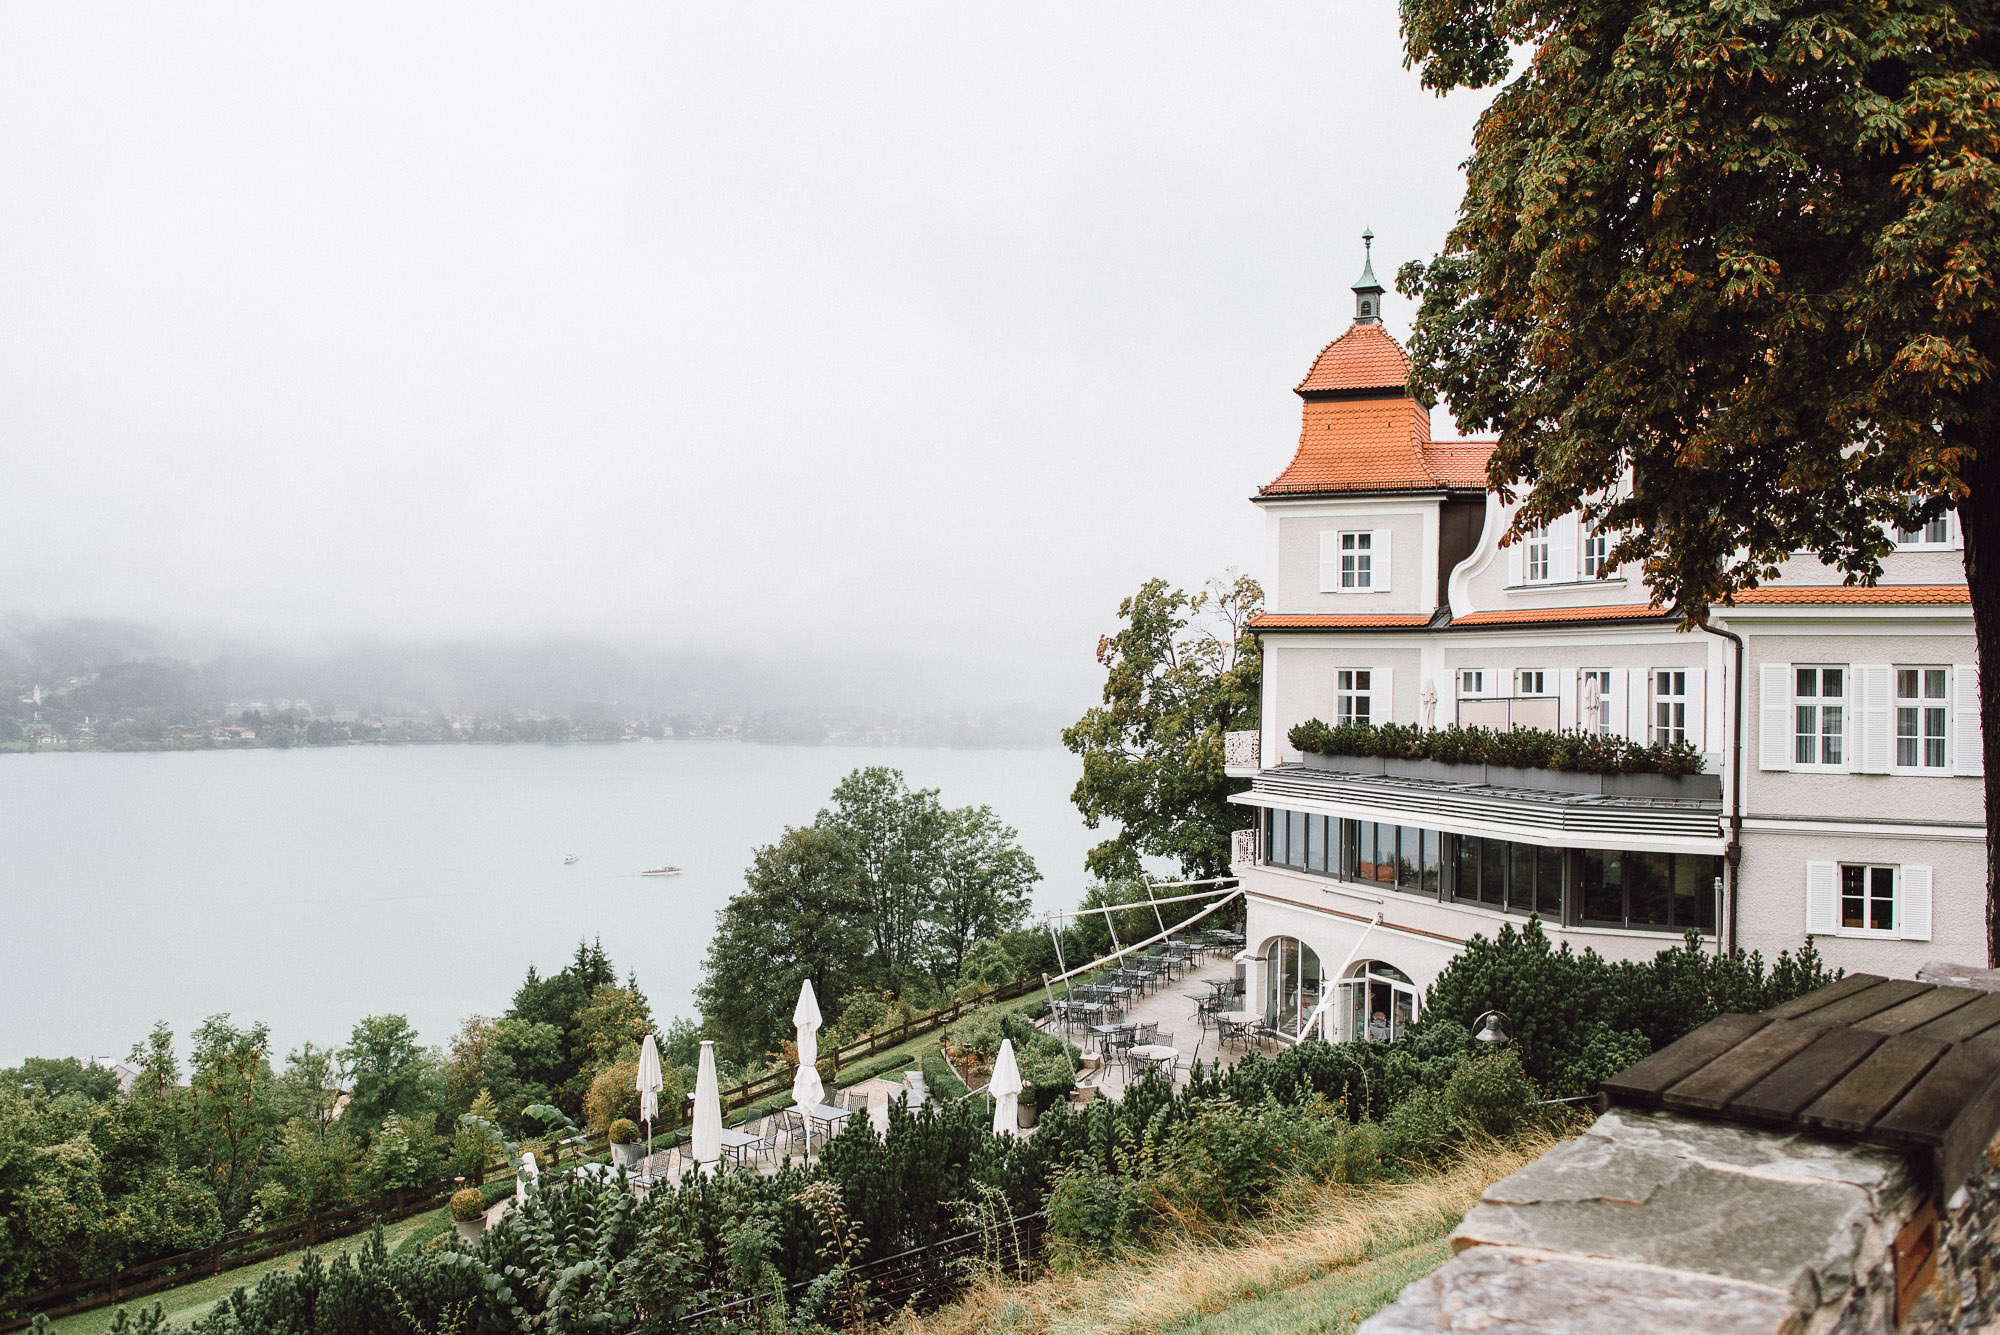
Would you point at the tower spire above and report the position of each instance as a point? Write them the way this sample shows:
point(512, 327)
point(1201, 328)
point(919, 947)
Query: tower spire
point(1367, 291)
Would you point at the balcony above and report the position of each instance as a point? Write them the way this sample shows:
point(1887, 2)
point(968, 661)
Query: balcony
point(1240, 754)
point(1504, 713)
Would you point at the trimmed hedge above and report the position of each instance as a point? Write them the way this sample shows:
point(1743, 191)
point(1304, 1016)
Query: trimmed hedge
point(1521, 748)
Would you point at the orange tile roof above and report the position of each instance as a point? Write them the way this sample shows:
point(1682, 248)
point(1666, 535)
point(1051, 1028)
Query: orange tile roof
point(1459, 463)
point(1525, 615)
point(1880, 595)
point(1359, 445)
point(1337, 621)
point(1364, 357)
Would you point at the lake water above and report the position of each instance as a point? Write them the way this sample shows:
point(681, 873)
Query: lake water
point(308, 888)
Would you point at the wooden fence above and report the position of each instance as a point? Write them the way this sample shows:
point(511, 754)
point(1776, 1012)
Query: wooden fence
point(250, 1248)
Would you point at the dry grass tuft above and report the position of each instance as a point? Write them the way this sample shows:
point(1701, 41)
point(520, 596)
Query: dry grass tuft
point(1312, 1231)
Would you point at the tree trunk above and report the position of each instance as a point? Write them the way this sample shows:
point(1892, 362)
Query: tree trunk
point(1979, 523)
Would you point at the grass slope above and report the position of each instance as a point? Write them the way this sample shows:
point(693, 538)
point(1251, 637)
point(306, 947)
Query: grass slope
point(1324, 1259)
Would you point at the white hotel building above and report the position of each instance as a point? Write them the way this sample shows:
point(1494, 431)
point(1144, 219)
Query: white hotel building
point(1842, 798)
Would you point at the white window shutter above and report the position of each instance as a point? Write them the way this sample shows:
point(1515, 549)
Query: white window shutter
point(1514, 574)
point(1379, 681)
point(1329, 561)
point(1697, 715)
point(1913, 904)
point(1611, 712)
point(1562, 550)
point(1774, 717)
point(1822, 898)
point(1966, 737)
point(1379, 549)
point(1638, 705)
point(1875, 717)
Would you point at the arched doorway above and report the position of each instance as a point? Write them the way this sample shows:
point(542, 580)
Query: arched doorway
point(1381, 1002)
point(1292, 987)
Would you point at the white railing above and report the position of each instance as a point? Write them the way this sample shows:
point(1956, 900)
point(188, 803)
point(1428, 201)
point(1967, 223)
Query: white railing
point(1240, 752)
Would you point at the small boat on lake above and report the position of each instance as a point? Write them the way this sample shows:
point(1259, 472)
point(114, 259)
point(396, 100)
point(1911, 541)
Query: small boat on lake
point(569, 859)
point(661, 871)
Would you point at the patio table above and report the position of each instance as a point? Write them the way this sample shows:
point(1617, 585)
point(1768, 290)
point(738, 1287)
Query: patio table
point(827, 1118)
point(1236, 1024)
point(734, 1143)
point(1157, 1054)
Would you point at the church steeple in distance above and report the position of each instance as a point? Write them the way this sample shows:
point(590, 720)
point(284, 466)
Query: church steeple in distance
point(1367, 291)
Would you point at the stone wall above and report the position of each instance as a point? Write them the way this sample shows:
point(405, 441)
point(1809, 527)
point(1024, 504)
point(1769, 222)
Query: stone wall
point(1658, 1223)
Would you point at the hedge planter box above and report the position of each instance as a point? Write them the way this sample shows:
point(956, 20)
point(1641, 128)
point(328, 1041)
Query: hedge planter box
point(626, 1156)
point(470, 1230)
point(1683, 787)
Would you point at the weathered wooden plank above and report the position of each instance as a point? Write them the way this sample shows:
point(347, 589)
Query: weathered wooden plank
point(1947, 1091)
point(1859, 1099)
point(1920, 1010)
point(1641, 1083)
point(1712, 1087)
point(1779, 1096)
point(1825, 996)
point(1969, 1021)
point(1869, 1001)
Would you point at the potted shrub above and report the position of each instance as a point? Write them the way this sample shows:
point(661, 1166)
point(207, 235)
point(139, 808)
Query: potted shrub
point(625, 1147)
point(468, 1213)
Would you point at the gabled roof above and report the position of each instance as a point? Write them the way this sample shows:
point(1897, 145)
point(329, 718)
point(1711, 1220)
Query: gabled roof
point(1521, 616)
point(1360, 445)
point(1855, 594)
point(1459, 463)
point(1363, 358)
point(1339, 620)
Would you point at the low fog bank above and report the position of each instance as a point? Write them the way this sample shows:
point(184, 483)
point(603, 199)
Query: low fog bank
point(96, 667)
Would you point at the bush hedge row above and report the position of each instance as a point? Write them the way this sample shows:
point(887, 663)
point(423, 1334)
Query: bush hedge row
point(1522, 748)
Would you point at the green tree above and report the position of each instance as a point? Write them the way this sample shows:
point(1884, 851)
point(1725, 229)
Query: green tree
point(608, 1030)
point(979, 882)
point(309, 1087)
point(230, 1078)
point(1182, 672)
point(314, 1172)
point(802, 914)
point(389, 1069)
point(53, 1077)
point(886, 835)
point(1725, 280)
point(51, 1198)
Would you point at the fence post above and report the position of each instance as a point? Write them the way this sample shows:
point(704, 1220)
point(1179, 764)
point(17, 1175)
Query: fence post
point(312, 1218)
point(215, 1259)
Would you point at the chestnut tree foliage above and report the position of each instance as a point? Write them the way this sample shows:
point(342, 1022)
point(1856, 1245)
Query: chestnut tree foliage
point(1742, 253)
point(1183, 671)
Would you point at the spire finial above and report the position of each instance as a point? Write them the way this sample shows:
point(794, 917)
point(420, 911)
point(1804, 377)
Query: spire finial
point(1367, 291)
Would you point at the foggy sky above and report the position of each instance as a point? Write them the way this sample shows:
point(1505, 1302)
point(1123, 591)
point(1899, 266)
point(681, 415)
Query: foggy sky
point(791, 329)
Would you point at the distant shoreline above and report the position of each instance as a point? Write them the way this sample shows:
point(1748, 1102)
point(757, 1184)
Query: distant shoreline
point(60, 748)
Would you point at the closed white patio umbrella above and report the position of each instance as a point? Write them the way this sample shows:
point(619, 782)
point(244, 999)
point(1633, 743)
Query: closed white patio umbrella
point(650, 1083)
point(808, 1089)
point(1005, 1087)
point(707, 1146)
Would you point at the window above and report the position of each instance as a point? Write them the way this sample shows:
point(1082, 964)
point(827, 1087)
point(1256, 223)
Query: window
point(1920, 717)
point(1353, 693)
point(1819, 718)
point(1624, 889)
point(1357, 561)
point(1292, 994)
point(1472, 683)
point(1381, 1002)
point(1596, 546)
point(1670, 705)
point(1868, 898)
point(1594, 707)
point(1531, 681)
point(1937, 532)
point(1537, 564)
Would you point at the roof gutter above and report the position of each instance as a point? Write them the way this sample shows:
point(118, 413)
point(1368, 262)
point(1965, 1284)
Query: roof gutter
point(1733, 852)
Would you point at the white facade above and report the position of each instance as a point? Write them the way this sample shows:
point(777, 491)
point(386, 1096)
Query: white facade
point(1848, 807)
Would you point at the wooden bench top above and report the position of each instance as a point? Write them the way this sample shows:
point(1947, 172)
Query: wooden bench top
point(1909, 1066)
